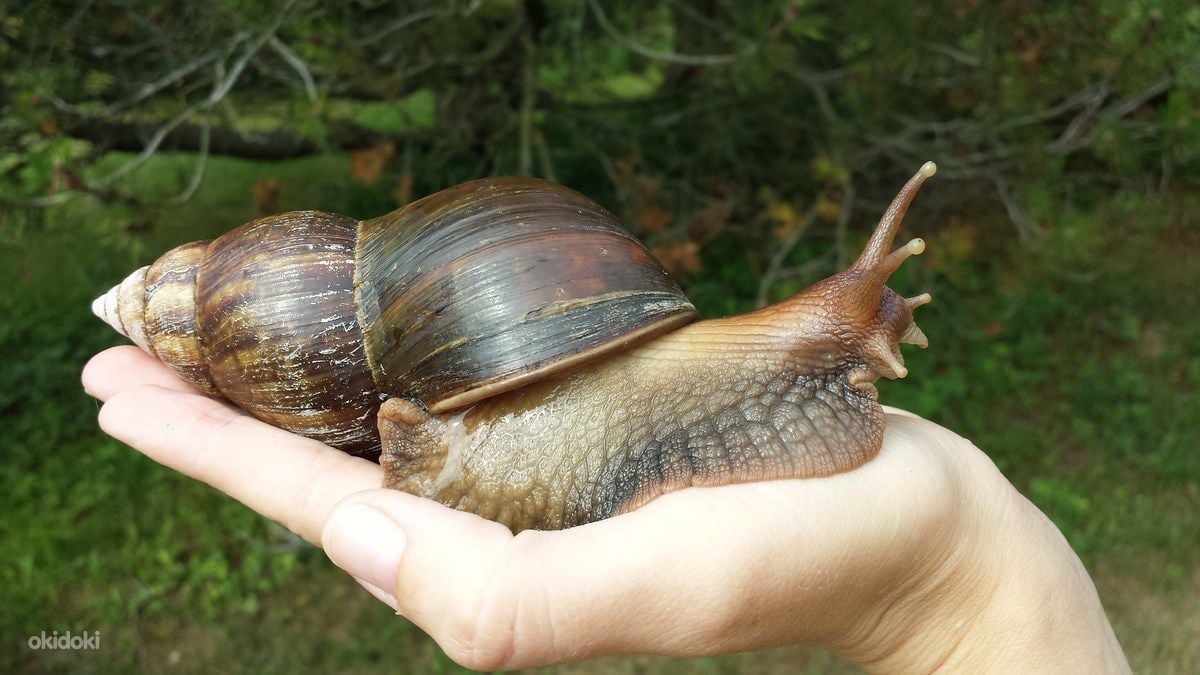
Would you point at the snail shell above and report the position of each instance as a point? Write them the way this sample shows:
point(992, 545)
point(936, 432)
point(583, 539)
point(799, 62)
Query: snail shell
point(307, 320)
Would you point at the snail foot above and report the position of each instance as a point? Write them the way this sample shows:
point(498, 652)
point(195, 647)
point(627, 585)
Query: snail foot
point(413, 449)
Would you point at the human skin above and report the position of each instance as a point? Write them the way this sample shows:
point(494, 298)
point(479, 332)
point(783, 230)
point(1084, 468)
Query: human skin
point(925, 558)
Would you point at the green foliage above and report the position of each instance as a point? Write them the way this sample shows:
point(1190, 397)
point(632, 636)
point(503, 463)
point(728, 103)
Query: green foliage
point(1085, 393)
point(415, 111)
point(750, 145)
point(96, 531)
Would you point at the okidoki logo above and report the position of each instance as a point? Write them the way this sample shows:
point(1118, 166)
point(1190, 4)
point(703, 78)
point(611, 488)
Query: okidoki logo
point(88, 640)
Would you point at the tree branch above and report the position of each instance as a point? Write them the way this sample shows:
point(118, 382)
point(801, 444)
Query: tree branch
point(201, 163)
point(188, 137)
point(781, 255)
point(221, 88)
point(297, 64)
point(650, 52)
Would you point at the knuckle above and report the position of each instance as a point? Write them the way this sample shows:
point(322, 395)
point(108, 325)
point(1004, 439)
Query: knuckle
point(494, 629)
point(312, 503)
point(483, 635)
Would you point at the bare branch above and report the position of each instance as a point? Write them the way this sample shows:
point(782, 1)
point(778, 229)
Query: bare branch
point(219, 91)
point(403, 22)
point(671, 57)
point(297, 64)
point(1080, 127)
point(955, 53)
point(1082, 97)
point(544, 159)
point(234, 119)
point(201, 164)
point(528, 95)
point(816, 84)
point(1025, 227)
point(785, 249)
point(151, 146)
point(1078, 134)
point(843, 222)
point(279, 143)
point(145, 91)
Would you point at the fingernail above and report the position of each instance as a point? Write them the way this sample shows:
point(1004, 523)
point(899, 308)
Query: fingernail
point(365, 542)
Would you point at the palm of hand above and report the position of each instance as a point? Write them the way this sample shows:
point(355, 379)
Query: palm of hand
point(830, 561)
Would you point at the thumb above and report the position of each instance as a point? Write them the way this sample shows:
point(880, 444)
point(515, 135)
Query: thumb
point(640, 582)
point(442, 569)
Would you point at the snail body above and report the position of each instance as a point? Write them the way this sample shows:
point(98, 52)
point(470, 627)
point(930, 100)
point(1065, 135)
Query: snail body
point(509, 350)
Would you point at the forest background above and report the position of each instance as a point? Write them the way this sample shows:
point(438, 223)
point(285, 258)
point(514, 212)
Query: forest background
point(750, 145)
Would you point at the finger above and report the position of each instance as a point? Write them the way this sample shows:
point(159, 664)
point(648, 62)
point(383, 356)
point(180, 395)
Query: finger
point(380, 594)
point(703, 570)
point(437, 561)
point(288, 478)
point(664, 579)
point(127, 366)
point(652, 581)
point(899, 412)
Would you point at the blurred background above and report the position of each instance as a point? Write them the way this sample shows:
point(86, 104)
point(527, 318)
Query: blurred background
point(750, 145)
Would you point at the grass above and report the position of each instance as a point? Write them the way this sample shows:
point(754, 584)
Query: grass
point(1074, 361)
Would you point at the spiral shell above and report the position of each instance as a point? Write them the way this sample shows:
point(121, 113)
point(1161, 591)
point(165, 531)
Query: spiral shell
point(264, 317)
point(307, 320)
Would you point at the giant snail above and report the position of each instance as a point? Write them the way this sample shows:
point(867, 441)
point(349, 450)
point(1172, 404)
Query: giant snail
point(507, 348)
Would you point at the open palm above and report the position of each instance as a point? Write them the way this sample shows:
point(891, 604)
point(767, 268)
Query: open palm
point(887, 565)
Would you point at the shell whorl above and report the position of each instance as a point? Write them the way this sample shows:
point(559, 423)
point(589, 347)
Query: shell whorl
point(123, 307)
point(499, 282)
point(277, 323)
point(262, 316)
point(155, 307)
point(306, 320)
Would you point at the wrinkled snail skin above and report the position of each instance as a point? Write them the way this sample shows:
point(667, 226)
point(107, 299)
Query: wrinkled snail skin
point(783, 392)
point(507, 348)
point(607, 438)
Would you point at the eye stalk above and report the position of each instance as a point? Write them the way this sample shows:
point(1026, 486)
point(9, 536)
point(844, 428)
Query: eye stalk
point(853, 312)
point(878, 262)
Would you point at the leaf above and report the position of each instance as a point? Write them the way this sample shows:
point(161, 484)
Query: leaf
point(416, 111)
point(828, 171)
point(266, 197)
point(811, 26)
point(97, 81)
point(828, 210)
point(679, 256)
point(952, 246)
point(653, 218)
point(786, 216)
point(367, 164)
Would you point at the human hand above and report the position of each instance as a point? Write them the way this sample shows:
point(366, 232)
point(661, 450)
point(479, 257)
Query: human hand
point(923, 558)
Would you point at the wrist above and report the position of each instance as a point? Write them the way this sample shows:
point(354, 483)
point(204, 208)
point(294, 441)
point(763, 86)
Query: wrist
point(1044, 614)
point(1008, 594)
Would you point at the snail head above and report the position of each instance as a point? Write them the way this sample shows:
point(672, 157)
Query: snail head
point(855, 310)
